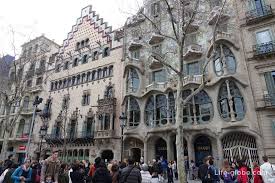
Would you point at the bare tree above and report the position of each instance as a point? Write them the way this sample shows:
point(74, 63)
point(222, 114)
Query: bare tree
point(179, 17)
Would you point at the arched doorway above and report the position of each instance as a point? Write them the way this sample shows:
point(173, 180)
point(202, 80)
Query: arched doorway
point(107, 155)
point(238, 145)
point(203, 148)
point(161, 148)
point(136, 154)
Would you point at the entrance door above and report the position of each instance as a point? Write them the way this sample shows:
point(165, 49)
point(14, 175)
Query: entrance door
point(202, 149)
point(107, 155)
point(136, 154)
point(161, 148)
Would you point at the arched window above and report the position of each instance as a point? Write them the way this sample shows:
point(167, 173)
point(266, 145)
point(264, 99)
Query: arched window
point(99, 73)
point(82, 43)
point(133, 112)
point(87, 42)
point(95, 55)
point(69, 82)
point(94, 75)
point(75, 63)
point(224, 61)
point(26, 102)
point(73, 81)
point(52, 86)
point(199, 109)
point(78, 79)
point(88, 76)
point(65, 83)
point(160, 109)
point(83, 78)
point(109, 92)
point(85, 59)
point(60, 84)
point(111, 70)
point(231, 102)
point(56, 85)
point(106, 52)
point(20, 130)
point(132, 81)
point(105, 72)
point(77, 45)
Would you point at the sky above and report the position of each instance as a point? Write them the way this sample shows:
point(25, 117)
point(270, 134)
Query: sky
point(54, 18)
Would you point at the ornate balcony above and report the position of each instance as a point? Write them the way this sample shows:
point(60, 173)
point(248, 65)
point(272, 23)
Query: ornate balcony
point(135, 20)
point(77, 138)
point(40, 71)
point(156, 86)
point(225, 32)
point(193, 51)
point(155, 39)
point(193, 79)
point(193, 27)
point(35, 89)
point(102, 134)
point(257, 15)
point(216, 13)
point(27, 111)
point(134, 45)
point(264, 49)
point(30, 73)
point(132, 62)
point(269, 100)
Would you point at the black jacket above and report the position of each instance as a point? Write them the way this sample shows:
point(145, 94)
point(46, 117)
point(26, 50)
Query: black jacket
point(130, 174)
point(202, 173)
point(77, 177)
point(102, 175)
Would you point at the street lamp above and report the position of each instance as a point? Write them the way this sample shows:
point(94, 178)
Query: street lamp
point(43, 133)
point(123, 119)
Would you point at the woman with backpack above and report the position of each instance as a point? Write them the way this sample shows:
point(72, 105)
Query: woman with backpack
point(227, 173)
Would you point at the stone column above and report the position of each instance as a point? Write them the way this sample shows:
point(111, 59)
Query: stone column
point(220, 152)
point(190, 148)
point(145, 151)
point(170, 149)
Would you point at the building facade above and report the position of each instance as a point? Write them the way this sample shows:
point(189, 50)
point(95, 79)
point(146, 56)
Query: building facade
point(84, 91)
point(257, 24)
point(220, 120)
point(31, 72)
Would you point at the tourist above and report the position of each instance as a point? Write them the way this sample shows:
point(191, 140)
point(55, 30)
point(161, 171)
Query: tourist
point(174, 168)
point(192, 170)
point(93, 167)
point(203, 169)
point(213, 172)
point(226, 173)
point(115, 173)
point(63, 174)
point(9, 160)
point(102, 174)
point(267, 171)
point(4, 173)
point(7, 178)
point(234, 172)
point(77, 175)
point(243, 172)
point(164, 167)
point(50, 168)
point(170, 173)
point(23, 174)
point(256, 173)
point(130, 174)
point(36, 172)
point(145, 174)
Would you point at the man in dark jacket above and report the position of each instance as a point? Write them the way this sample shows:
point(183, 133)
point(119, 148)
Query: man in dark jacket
point(102, 174)
point(203, 170)
point(130, 174)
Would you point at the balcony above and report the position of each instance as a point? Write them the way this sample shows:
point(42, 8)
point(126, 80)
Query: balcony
point(264, 49)
point(78, 138)
point(215, 14)
point(193, 27)
point(134, 45)
point(155, 39)
point(40, 70)
point(35, 89)
point(132, 62)
point(269, 100)
point(226, 32)
point(257, 15)
point(27, 111)
point(135, 20)
point(30, 74)
point(192, 79)
point(22, 136)
point(156, 86)
point(103, 134)
point(193, 51)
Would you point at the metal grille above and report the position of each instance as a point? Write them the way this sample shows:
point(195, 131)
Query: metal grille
point(240, 146)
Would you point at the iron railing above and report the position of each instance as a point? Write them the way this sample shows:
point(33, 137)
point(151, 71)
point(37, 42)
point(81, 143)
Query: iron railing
point(269, 100)
point(257, 14)
point(264, 48)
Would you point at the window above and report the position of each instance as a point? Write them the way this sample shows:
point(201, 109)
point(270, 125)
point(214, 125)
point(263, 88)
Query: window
point(132, 80)
point(32, 66)
point(66, 65)
point(135, 54)
point(106, 52)
point(155, 9)
point(224, 61)
point(75, 62)
point(65, 102)
point(72, 132)
point(99, 72)
point(85, 59)
point(77, 45)
point(111, 70)
point(105, 72)
point(29, 83)
point(42, 64)
point(89, 127)
point(159, 76)
point(39, 81)
point(87, 42)
point(57, 68)
point(65, 83)
point(264, 42)
point(88, 76)
point(56, 85)
point(57, 130)
point(105, 121)
point(20, 130)
point(191, 39)
point(263, 37)
point(199, 109)
point(60, 84)
point(160, 110)
point(83, 78)
point(52, 86)
point(108, 92)
point(26, 102)
point(270, 85)
point(133, 112)
point(73, 81)
point(94, 75)
point(69, 82)
point(231, 102)
point(78, 79)
point(193, 68)
point(214, 3)
point(95, 55)
point(85, 99)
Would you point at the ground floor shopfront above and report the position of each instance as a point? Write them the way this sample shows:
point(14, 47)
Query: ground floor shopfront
point(230, 145)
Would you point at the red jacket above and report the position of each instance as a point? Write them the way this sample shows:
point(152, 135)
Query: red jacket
point(256, 175)
point(242, 175)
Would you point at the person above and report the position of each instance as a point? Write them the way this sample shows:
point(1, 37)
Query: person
point(145, 174)
point(63, 174)
point(130, 174)
point(1, 167)
point(170, 173)
point(203, 169)
point(256, 173)
point(36, 172)
point(174, 167)
point(213, 172)
point(23, 174)
point(234, 172)
point(77, 175)
point(102, 174)
point(164, 167)
point(51, 168)
point(115, 173)
point(267, 171)
point(242, 172)
point(8, 161)
point(226, 173)
point(93, 167)
point(7, 178)
point(192, 170)
point(4, 173)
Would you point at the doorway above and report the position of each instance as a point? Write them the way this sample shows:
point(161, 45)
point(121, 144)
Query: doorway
point(161, 148)
point(136, 154)
point(107, 155)
point(202, 149)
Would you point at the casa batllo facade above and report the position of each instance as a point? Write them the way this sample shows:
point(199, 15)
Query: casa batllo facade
point(84, 91)
point(220, 120)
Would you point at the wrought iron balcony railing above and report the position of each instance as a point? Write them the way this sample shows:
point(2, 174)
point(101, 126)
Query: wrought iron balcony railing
point(269, 100)
point(264, 49)
point(258, 14)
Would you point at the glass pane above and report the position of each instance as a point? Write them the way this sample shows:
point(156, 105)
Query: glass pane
point(193, 68)
point(239, 108)
point(159, 76)
point(231, 64)
point(263, 37)
point(218, 67)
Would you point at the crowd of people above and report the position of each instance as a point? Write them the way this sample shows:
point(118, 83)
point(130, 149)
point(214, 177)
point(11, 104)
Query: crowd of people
point(52, 170)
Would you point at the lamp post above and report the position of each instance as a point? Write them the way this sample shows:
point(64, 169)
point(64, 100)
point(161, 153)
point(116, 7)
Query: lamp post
point(42, 132)
point(122, 119)
point(36, 102)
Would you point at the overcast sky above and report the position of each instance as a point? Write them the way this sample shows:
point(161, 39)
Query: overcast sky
point(54, 18)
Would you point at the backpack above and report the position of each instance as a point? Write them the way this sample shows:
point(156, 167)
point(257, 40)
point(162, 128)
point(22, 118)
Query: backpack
point(227, 177)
